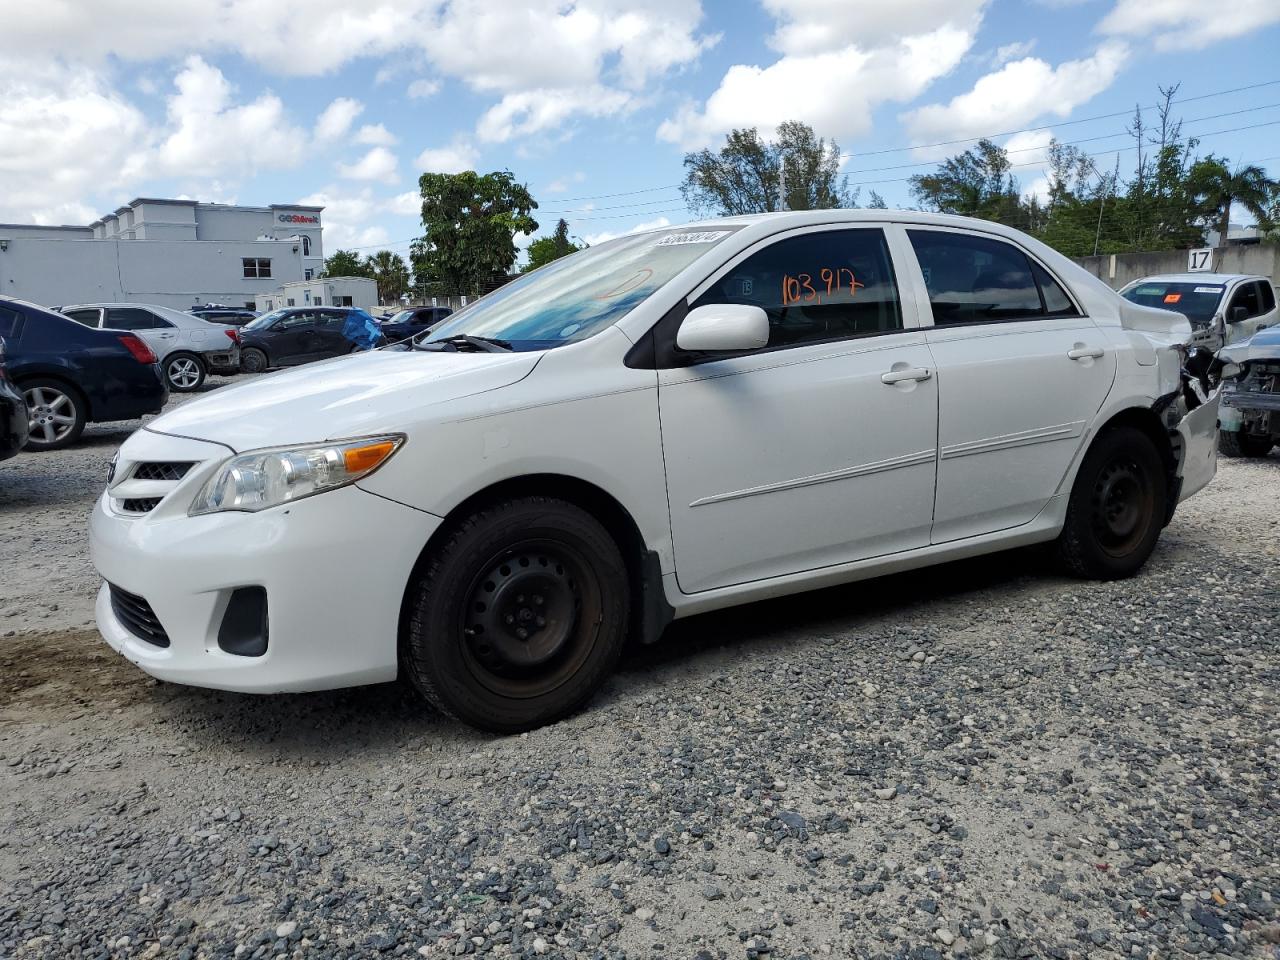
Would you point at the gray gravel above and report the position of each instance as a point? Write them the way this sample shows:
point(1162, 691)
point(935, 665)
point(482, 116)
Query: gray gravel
point(982, 759)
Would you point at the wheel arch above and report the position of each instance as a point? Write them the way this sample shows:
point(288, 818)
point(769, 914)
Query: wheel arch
point(1166, 442)
point(20, 379)
point(650, 612)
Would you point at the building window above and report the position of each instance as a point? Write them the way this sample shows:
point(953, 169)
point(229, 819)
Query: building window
point(256, 268)
point(308, 274)
point(291, 301)
point(319, 301)
point(306, 248)
point(342, 301)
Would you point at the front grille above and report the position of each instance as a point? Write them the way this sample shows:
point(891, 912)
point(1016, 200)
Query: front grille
point(137, 616)
point(162, 470)
point(140, 504)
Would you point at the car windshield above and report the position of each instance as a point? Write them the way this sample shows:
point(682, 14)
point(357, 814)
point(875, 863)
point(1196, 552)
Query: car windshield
point(404, 316)
point(259, 323)
point(1198, 302)
point(579, 295)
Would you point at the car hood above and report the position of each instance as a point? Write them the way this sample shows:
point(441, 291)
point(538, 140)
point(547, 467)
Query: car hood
point(368, 393)
point(1263, 345)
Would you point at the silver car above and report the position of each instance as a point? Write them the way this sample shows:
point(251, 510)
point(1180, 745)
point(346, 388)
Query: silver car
point(188, 347)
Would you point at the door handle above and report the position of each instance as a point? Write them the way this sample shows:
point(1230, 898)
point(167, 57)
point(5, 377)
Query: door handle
point(1085, 353)
point(910, 373)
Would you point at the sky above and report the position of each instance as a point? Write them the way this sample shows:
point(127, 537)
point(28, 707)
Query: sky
point(591, 103)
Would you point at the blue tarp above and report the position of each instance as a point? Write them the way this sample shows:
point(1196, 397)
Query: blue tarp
point(361, 329)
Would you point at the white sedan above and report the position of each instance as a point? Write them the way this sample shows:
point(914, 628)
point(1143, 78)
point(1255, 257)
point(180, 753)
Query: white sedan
point(665, 424)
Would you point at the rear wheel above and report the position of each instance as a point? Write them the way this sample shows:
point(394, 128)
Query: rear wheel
point(252, 360)
point(57, 414)
point(1117, 507)
point(1237, 443)
point(184, 371)
point(519, 615)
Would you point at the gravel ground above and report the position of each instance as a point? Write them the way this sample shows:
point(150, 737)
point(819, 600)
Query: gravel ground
point(978, 759)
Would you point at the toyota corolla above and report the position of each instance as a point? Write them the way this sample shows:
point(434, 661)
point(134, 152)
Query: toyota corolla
point(665, 424)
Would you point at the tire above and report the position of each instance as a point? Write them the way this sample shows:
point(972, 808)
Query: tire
point(185, 372)
point(537, 566)
point(252, 360)
point(1237, 443)
point(57, 412)
point(1117, 507)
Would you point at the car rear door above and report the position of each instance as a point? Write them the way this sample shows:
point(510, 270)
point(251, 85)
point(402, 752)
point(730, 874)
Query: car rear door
point(818, 449)
point(1022, 373)
point(329, 339)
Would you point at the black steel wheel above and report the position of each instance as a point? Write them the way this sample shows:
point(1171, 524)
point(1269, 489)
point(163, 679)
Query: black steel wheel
point(1117, 507)
point(252, 360)
point(518, 615)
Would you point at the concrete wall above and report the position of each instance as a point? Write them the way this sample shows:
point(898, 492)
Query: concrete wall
point(31, 231)
point(325, 292)
point(172, 273)
point(1123, 268)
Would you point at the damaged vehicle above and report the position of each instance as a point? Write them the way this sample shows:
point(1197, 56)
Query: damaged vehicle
point(1250, 414)
point(668, 423)
point(1223, 308)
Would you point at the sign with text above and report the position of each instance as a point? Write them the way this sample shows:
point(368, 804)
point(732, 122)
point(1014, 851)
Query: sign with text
point(1200, 261)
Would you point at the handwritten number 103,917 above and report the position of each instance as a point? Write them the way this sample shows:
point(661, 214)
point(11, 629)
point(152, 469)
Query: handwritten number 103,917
point(801, 288)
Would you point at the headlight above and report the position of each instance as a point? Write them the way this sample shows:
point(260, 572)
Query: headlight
point(268, 478)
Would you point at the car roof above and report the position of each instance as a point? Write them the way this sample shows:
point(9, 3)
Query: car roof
point(171, 313)
point(1215, 278)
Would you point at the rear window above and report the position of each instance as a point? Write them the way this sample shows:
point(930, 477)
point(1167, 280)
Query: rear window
point(1198, 302)
point(10, 324)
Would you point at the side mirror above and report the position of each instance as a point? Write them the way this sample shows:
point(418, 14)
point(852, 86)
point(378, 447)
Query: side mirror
point(1237, 314)
point(723, 328)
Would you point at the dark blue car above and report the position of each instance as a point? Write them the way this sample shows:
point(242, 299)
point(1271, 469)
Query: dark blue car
point(411, 322)
point(70, 375)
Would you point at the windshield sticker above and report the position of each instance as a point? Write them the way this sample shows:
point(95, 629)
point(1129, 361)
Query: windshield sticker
point(1172, 297)
point(800, 288)
point(708, 236)
point(1148, 291)
point(1208, 290)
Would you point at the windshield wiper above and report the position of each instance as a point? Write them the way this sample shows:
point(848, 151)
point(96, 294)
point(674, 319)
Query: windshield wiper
point(483, 344)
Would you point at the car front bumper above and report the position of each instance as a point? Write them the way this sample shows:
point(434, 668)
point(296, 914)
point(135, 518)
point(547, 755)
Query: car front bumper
point(334, 569)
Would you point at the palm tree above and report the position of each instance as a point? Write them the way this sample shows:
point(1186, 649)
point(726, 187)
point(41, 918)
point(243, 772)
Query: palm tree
point(391, 273)
point(1215, 187)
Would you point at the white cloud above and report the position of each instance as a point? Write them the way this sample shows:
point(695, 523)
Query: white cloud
point(534, 111)
point(1011, 51)
point(1188, 24)
point(378, 164)
point(1029, 147)
point(562, 184)
point(835, 91)
point(376, 135)
point(347, 217)
point(423, 88)
point(407, 204)
point(1018, 93)
point(457, 156)
point(211, 136)
point(810, 27)
point(337, 118)
point(66, 133)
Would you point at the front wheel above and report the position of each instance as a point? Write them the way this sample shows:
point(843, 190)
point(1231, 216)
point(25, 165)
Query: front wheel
point(1237, 443)
point(57, 414)
point(1117, 507)
point(184, 371)
point(252, 360)
point(518, 616)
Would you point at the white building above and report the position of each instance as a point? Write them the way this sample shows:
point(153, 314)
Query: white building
point(325, 292)
point(176, 253)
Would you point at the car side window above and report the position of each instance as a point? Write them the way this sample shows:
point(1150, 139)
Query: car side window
point(88, 318)
point(1246, 296)
point(829, 285)
point(1267, 295)
point(296, 321)
point(10, 324)
point(973, 279)
point(132, 318)
point(331, 320)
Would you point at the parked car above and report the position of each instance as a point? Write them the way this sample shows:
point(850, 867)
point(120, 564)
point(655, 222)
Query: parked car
point(70, 375)
point(226, 315)
point(294, 335)
point(1250, 414)
point(1222, 307)
point(415, 320)
point(663, 424)
point(188, 347)
point(14, 425)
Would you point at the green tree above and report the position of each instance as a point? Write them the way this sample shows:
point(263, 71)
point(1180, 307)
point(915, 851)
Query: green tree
point(545, 249)
point(391, 273)
point(1215, 187)
point(345, 263)
point(470, 222)
point(745, 175)
point(976, 183)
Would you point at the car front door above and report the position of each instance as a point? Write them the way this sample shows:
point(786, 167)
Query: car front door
point(329, 339)
point(160, 335)
point(818, 449)
point(1021, 375)
point(1252, 307)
